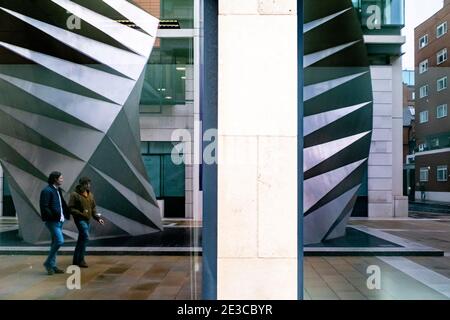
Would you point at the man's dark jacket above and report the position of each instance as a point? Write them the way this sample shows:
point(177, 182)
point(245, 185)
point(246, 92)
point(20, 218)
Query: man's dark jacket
point(50, 207)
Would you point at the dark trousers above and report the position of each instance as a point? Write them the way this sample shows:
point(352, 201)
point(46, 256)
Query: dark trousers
point(83, 239)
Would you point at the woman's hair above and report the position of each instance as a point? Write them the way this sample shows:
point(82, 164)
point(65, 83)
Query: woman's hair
point(84, 181)
point(53, 177)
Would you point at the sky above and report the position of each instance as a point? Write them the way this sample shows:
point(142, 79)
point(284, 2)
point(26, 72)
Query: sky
point(417, 11)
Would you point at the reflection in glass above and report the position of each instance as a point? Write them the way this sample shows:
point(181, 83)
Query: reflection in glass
point(170, 67)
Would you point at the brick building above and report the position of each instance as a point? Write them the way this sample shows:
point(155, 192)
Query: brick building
point(432, 157)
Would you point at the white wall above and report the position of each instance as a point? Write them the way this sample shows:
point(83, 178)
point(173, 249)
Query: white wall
point(257, 171)
point(434, 196)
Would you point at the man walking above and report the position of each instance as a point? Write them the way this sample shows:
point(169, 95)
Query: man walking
point(83, 208)
point(54, 212)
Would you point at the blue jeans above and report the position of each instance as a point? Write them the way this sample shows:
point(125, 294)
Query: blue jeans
point(55, 229)
point(83, 239)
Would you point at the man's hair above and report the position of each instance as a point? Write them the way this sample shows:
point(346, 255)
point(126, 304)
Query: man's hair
point(84, 181)
point(53, 177)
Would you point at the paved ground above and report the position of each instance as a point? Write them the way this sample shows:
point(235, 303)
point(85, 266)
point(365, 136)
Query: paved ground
point(171, 277)
point(107, 278)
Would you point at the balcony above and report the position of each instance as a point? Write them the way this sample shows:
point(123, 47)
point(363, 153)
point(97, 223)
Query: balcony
point(379, 15)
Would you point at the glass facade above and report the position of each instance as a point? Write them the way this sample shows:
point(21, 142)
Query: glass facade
point(392, 12)
point(180, 12)
point(166, 177)
point(169, 67)
point(173, 14)
point(408, 77)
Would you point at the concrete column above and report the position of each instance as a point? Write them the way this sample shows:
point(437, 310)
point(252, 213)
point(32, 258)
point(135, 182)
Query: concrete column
point(257, 169)
point(400, 208)
point(380, 182)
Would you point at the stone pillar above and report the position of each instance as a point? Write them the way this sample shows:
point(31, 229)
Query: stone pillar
point(380, 182)
point(385, 175)
point(400, 208)
point(257, 170)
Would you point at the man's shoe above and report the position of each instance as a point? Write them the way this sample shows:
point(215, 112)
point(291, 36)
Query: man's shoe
point(83, 264)
point(50, 271)
point(57, 270)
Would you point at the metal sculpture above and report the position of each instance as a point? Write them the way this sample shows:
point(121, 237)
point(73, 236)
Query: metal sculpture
point(338, 116)
point(71, 76)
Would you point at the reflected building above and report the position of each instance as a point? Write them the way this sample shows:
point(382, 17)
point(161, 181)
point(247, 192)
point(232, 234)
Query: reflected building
point(169, 101)
point(432, 153)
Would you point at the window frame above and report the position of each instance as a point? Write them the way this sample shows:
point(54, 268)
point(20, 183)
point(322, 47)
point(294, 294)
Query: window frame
point(443, 80)
point(427, 87)
point(443, 53)
point(423, 44)
point(422, 147)
point(423, 113)
point(442, 107)
point(444, 25)
point(445, 176)
point(426, 171)
point(423, 66)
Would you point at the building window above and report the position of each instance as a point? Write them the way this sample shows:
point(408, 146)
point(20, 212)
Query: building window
point(166, 177)
point(422, 147)
point(441, 56)
point(423, 174)
point(424, 116)
point(434, 143)
point(173, 14)
point(423, 41)
point(441, 30)
point(423, 66)
point(442, 173)
point(441, 111)
point(169, 74)
point(413, 96)
point(442, 84)
point(423, 91)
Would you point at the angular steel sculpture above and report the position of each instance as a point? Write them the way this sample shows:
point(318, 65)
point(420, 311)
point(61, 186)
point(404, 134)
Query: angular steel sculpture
point(71, 76)
point(338, 116)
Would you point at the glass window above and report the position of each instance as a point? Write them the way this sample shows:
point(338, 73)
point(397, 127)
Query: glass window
point(441, 111)
point(173, 14)
point(442, 84)
point(435, 143)
point(442, 173)
point(423, 41)
point(423, 174)
point(422, 147)
point(423, 66)
point(169, 75)
point(392, 12)
point(177, 12)
point(424, 91)
point(424, 116)
point(441, 29)
point(441, 56)
point(167, 178)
